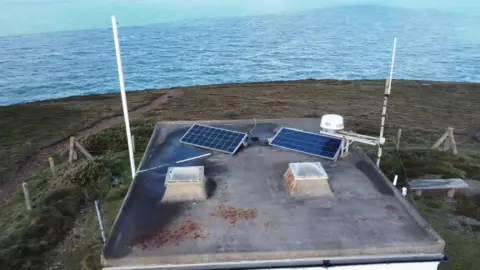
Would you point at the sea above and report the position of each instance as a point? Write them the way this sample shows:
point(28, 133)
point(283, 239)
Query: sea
point(341, 42)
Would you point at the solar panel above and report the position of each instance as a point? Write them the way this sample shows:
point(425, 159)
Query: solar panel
point(213, 138)
point(315, 144)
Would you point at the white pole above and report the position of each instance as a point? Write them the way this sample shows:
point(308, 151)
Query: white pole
point(404, 191)
point(99, 217)
point(388, 88)
point(395, 180)
point(124, 96)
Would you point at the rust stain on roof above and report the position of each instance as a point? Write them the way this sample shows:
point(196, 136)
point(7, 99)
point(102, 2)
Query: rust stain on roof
point(189, 230)
point(234, 215)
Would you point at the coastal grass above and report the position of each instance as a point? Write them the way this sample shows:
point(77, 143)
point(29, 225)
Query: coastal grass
point(462, 241)
point(30, 236)
point(26, 235)
point(422, 109)
point(418, 162)
point(27, 128)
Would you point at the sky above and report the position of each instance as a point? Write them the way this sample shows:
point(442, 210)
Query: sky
point(19, 17)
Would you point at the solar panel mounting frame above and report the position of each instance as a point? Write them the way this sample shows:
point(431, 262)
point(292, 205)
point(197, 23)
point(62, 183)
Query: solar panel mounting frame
point(211, 148)
point(318, 134)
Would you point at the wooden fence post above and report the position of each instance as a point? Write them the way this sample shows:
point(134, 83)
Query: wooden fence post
point(439, 141)
point(52, 167)
point(71, 153)
point(453, 145)
point(85, 152)
point(399, 135)
point(133, 143)
point(446, 145)
point(28, 202)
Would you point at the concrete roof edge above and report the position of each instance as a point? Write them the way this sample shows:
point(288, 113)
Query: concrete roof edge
point(295, 262)
point(415, 214)
point(382, 254)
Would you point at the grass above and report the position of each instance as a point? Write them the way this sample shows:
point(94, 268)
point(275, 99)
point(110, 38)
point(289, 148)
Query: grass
point(462, 248)
point(86, 255)
point(26, 128)
point(57, 202)
point(30, 236)
point(414, 105)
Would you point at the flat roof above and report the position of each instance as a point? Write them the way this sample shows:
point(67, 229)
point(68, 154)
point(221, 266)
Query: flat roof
point(250, 217)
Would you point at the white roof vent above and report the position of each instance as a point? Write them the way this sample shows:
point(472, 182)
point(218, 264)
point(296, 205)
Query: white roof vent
point(185, 184)
point(332, 122)
point(307, 179)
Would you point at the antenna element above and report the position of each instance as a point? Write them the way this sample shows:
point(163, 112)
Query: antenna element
point(388, 88)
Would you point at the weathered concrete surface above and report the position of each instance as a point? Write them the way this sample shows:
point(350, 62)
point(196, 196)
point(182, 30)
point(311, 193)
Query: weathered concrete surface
point(365, 217)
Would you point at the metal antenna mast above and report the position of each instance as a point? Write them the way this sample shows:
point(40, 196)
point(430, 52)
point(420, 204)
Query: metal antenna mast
point(388, 88)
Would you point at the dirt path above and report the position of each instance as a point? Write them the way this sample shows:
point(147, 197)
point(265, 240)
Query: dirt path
point(34, 162)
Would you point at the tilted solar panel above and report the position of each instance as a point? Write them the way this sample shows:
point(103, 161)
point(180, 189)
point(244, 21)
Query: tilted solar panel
point(213, 138)
point(315, 144)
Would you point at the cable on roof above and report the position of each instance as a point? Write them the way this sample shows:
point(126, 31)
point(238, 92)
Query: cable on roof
point(176, 162)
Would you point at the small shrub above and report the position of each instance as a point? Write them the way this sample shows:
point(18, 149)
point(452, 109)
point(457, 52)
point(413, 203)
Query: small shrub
point(391, 165)
point(88, 174)
point(97, 176)
point(117, 193)
point(114, 140)
point(421, 162)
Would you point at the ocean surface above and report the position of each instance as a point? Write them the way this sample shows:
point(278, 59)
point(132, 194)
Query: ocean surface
point(352, 42)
